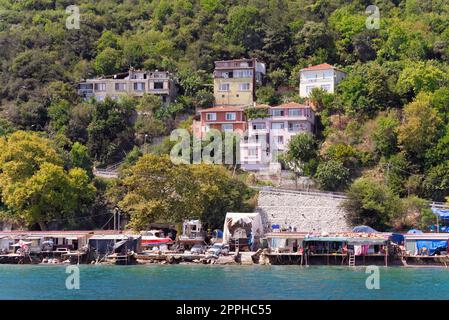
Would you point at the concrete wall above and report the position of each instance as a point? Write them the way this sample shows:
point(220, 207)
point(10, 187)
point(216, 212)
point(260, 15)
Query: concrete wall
point(234, 96)
point(308, 212)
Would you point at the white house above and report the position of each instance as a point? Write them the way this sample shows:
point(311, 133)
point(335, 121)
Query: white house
point(267, 137)
point(324, 76)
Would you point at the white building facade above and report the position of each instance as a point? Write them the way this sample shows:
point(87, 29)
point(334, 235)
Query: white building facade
point(324, 76)
point(268, 137)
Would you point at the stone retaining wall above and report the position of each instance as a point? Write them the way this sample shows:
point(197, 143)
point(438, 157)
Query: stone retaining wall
point(306, 212)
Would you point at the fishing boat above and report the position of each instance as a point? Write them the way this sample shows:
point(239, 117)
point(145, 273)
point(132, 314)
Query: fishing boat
point(154, 238)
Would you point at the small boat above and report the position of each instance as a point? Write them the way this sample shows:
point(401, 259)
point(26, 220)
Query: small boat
point(154, 238)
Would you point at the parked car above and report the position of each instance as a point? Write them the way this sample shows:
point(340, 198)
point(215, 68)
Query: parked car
point(217, 249)
point(198, 249)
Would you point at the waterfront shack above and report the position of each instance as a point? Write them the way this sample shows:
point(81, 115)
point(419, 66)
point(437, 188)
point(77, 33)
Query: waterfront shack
point(119, 246)
point(103, 243)
point(40, 246)
point(285, 247)
point(426, 248)
point(243, 230)
point(347, 248)
point(192, 233)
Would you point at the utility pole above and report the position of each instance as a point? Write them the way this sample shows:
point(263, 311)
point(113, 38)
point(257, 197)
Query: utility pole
point(145, 143)
point(115, 211)
point(118, 218)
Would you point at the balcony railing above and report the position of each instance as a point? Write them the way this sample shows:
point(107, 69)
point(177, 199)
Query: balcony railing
point(315, 80)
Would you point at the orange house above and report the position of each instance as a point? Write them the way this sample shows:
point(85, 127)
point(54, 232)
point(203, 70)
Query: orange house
point(223, 118)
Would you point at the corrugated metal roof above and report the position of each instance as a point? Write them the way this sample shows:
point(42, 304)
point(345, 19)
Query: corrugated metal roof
point(426, 236)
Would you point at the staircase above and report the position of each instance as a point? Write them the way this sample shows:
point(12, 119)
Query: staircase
point(351, 260)
point(109, 172)
point(237, 246)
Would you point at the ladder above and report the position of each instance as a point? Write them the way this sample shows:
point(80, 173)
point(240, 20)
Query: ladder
point(351, 260)
point(237, 246)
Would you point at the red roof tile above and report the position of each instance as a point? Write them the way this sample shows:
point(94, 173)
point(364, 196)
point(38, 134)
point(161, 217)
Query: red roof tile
point(223, 108)
point(319, 67)
point(292, 105)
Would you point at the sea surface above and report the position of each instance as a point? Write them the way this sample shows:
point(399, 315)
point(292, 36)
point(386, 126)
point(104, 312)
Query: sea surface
point(220, 282)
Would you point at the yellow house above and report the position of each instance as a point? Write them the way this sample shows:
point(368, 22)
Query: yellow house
point(235, 81)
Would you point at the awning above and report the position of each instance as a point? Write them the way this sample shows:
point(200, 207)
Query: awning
point(441, 213)
point(367, 241)
point(73, 238)
point(352, 241)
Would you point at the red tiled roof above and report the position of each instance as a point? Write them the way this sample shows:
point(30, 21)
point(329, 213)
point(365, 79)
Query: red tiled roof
point(319, 67)
point(223, 108)
point(292, 105)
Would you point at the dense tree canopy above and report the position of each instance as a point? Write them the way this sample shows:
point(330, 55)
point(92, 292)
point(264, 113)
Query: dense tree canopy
point(34, 184)
point(155, 189)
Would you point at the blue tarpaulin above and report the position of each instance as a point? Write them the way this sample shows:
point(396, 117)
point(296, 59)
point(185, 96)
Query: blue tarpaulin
point(443, 214)
point(218, 233)
point(431, 245)
point(364, 229)
point(397, 238)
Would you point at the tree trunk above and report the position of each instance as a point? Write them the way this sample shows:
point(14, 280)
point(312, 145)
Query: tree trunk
point(42, 225)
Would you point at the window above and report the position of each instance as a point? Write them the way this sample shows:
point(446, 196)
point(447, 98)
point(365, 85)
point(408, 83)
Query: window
point(226, 74)
point(244, 87)
point(277, 125)
point(227, 127)
point(139, 86)
point(211, 116)
point(259, 126)
point(279, 139)
point(158, 85)
point(309, 89)
point(100, 87)
point(86, 86)
point(278, 113)
point(295, 126)
point(295, 112)
point(120, 87)
point(224, 87)
point(206, 128)
point(243, 73)
point(252, 152)
point(139, 75)
point(326, 87)
point(230, 116)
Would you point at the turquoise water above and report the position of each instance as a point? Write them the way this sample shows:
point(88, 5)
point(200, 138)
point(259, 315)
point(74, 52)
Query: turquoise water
point(220, 282)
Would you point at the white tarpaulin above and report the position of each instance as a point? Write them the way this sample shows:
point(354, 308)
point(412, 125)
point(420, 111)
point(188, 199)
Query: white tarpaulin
point(249, 221)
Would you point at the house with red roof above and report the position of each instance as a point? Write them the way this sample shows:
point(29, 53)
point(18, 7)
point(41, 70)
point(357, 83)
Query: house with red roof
point(324, 76)
point(222, 118)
